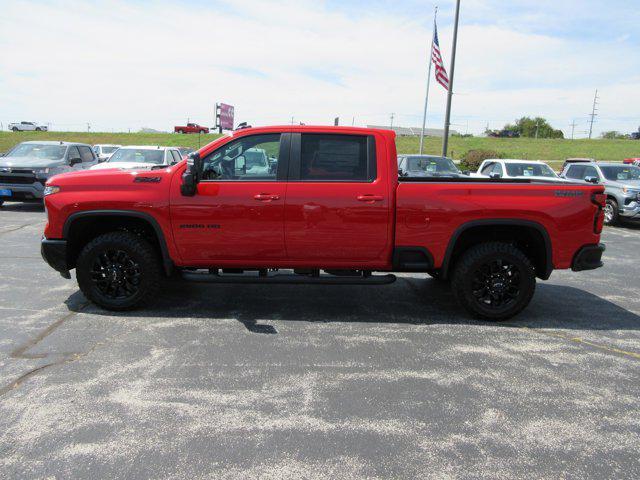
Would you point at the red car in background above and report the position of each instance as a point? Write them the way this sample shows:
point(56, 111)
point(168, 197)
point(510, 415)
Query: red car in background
point(191, 128)
point(632, 161)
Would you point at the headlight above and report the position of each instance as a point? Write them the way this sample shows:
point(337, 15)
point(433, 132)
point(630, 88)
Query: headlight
point(51, 189)
point(40, 171)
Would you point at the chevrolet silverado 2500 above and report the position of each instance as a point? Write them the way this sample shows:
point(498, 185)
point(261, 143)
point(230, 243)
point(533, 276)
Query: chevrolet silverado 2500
point(331, 210)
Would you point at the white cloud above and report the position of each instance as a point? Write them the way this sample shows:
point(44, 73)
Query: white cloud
point(119, 65)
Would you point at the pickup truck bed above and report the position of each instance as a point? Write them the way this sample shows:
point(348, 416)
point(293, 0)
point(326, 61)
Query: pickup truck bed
point(333, 202)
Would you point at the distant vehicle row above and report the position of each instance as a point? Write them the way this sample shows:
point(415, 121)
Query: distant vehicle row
point(25, 169)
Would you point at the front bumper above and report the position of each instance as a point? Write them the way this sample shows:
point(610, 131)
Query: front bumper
point(54, 253)
point(588, 257)
point(631, 211)
point(23, 192)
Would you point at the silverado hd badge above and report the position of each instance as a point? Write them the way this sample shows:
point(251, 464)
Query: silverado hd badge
point(569, 193)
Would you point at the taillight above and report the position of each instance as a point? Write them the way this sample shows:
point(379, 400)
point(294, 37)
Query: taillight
point(599, 200)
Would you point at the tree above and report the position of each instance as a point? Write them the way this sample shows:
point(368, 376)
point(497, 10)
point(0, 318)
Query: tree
point(527, 126)
point(614, 135)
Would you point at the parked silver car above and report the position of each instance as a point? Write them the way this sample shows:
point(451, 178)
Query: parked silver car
point(24, 170)
point(427, 166)
point(621, 184)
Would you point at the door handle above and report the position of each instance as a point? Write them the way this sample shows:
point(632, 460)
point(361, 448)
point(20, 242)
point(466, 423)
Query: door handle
point(266, 197)
point(369, 198)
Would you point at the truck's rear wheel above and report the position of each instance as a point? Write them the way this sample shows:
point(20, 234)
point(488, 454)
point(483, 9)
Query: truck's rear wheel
point(15, 129)
point(494, 281)
point(118, 271)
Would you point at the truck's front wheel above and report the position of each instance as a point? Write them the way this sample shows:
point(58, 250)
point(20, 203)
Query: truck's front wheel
point(118, 271)
point(494, 281)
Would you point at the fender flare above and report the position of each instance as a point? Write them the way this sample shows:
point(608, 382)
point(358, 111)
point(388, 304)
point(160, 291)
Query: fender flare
point(167, 262)
point(500, 222)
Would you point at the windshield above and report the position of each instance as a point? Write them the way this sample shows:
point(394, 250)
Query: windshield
point(137, 155)
point(621, 173)
point(109, 149)
point(432, 165)
point(529, 170)
point(48, 152)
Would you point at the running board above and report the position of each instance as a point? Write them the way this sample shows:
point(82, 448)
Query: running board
point(290, 279)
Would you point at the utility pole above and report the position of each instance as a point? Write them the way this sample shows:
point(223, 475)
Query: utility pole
point(537, 128)
point(88, 127)
point(593, 114)
point(573, 128)
point(391, 124)
point(447, 121)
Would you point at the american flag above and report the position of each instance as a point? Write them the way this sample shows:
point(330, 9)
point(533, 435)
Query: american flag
point(441, 72)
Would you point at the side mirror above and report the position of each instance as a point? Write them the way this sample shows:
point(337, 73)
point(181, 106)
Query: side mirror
point(494, 175)
point(466, 172)
point(191, 175)
point(75, 161)
point(591, 179)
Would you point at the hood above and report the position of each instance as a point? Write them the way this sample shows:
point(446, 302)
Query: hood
point(623, 183)
point(30, 162)
point(123, 165)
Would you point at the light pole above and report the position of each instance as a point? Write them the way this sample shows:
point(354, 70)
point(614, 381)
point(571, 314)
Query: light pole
point(447, 120)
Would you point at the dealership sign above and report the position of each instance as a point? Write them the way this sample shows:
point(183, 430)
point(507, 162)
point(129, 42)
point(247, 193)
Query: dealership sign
point(225, 116)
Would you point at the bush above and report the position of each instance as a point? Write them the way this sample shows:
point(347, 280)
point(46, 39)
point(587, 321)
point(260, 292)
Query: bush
point(473, 158)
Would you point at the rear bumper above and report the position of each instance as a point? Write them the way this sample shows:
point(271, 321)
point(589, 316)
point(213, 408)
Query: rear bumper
point(54, 253)
point(588, 257)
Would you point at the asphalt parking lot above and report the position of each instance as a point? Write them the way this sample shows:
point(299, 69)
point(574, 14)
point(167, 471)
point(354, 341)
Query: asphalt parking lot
point(317, 382)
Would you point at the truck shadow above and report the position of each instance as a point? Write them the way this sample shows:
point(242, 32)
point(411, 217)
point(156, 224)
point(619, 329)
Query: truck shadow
point(411, 300)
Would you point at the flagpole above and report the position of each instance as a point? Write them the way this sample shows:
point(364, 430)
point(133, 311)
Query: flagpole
point(447, 121)
point(426, 97)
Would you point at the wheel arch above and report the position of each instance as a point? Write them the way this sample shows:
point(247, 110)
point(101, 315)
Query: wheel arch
point(82, 227)
point(531, 236)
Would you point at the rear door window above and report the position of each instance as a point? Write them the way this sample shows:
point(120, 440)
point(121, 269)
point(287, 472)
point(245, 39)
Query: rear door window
point(341, 158)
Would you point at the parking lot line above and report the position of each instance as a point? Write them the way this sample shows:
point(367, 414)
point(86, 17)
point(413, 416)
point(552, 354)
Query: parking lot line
point(580, 341)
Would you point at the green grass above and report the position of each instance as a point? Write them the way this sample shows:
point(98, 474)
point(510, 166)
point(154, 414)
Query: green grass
point(554, 151)
point(9, 139)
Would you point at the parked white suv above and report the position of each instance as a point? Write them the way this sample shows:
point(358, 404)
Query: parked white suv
point(511, 168)
point(27, 126)
point(135, 157)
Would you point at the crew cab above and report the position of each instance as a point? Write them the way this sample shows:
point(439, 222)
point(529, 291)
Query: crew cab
point(191, 128)
point(27, 127)
point(333, 211)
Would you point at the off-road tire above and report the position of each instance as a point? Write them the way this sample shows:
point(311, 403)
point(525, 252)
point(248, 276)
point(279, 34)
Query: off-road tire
point(473, 264)
point(14, 129)
point(141, 252)
point(437, 275)
point(615, 212)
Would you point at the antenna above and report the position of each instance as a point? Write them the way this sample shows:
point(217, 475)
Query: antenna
point(593, 114)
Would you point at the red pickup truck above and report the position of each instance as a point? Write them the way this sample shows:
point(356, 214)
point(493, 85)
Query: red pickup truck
point(191, 128)
point(318, 205)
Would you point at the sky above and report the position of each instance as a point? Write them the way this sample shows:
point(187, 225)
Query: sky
point(122, 65)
